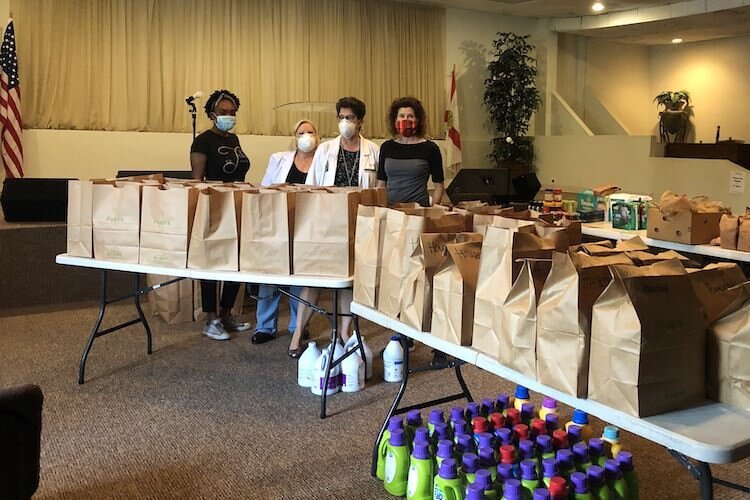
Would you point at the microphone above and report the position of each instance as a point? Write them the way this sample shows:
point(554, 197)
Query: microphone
point(193, 97)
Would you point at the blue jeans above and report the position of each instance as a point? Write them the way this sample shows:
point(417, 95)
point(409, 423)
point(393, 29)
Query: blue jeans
point(267, 310)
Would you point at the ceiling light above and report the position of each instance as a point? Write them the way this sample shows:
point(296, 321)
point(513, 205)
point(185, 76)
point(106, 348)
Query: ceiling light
point(676, 40)
point(597, 7)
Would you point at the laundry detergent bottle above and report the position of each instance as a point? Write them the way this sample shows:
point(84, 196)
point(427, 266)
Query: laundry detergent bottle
point(395, 422)
point(421, 474)
point(396, 464)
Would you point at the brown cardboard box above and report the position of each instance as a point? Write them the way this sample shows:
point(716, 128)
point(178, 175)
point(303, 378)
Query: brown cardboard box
point(685, 227)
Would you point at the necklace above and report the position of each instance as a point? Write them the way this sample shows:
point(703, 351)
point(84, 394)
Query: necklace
point(350, 171)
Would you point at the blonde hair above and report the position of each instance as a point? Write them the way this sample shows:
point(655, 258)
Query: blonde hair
point(293, 145)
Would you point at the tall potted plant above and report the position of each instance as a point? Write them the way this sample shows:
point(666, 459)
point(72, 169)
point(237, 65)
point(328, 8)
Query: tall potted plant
point(511, 98)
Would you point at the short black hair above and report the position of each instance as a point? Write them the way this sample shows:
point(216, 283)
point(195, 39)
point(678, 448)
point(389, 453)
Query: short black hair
point(407, 102)
point(220, 95)
point(357, 106)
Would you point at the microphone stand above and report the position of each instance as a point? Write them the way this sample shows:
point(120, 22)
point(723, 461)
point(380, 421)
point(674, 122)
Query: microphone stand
point(193, 111)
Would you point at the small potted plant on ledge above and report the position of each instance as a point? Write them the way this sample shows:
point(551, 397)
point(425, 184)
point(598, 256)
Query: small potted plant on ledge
point(674, 118)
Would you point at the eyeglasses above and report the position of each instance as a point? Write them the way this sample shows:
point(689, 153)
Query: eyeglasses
point(349, 118)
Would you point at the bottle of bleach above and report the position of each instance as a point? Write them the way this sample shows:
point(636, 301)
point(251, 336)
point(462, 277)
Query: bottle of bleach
point(320, 374)
point(352, 374)
point(393, 361)
point(352, 344)
point(306, 365)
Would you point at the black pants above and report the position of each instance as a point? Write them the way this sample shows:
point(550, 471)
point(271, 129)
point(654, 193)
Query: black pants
point(208, 295)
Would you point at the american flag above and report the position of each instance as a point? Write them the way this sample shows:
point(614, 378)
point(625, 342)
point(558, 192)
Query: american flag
point(10, 106)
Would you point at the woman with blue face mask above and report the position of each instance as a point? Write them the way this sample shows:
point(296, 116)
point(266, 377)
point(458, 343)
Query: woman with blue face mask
point(216, 155)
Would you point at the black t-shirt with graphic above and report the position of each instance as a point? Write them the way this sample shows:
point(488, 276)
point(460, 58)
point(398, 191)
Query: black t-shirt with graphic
point(225, 160)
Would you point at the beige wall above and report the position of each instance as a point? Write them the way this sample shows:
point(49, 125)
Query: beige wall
point(715, 73)
point(469, 36)
point(575, 163)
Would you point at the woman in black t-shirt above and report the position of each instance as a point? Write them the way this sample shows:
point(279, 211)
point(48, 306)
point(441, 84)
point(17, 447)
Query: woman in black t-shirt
point(216, 155)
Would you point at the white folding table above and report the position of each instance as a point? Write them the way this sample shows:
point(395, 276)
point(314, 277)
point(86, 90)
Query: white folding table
point(335, 284)
point(606, 231)
point(713, 433)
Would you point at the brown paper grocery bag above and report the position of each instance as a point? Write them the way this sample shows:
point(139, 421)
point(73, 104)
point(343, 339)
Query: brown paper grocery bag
point(116, 210)
point(716, 287)
point(167, 214)
point(214, 239)
point(516, 322)
point(743, 234)
point(648, 341)
point(79, 235)
point(373, 197)
point(430, 253)
point(173, 303)
point(729, 226)
point(634, 244)
point(564, 318)
point(502, 251)
point(368, 253)
point(324, 228)
point(266, 231)
point(728, 349)
point(454, 285)
point(401, 236)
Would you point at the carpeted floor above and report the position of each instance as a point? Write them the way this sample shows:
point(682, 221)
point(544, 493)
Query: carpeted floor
point(206, 419)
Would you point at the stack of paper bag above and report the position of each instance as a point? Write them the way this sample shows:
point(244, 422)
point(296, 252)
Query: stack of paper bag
point(564, 318)
point(167, 213)
point(648, 341)
point(368, 253)
point(454, 286)
point(729, 352)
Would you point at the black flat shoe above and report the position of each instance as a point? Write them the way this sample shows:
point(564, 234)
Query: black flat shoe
point(262, 338)
point(296, 353)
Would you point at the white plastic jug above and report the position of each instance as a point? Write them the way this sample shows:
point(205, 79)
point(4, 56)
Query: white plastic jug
point(352, 344)
point(352, 374)
point(320, 375)
point(306, 365)
point(338, 352)
point(393, 361)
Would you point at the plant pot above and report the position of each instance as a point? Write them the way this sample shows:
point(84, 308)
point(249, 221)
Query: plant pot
point(673, 121)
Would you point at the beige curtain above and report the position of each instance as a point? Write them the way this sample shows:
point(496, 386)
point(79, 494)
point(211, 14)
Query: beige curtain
point(129, 64)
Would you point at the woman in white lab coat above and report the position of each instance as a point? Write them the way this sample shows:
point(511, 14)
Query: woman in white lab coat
point(347, 160)
point(289, 167)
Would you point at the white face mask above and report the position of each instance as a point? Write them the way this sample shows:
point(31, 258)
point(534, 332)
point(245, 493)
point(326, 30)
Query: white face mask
point(306, 142)
point(347, 129)
point(225, 123)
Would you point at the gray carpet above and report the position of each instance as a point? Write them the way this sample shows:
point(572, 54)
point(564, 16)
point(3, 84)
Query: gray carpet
point(206, 419)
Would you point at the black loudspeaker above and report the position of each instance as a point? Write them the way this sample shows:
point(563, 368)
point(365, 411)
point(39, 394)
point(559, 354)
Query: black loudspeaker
point(526, 186)
point(491, 185)
point(35, 200)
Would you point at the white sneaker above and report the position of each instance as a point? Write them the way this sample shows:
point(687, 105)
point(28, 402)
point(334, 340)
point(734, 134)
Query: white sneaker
point(215, 330)
point(231, 325)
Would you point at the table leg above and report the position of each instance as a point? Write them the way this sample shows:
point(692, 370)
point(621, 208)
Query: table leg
point(331, 354)
point(104, 301)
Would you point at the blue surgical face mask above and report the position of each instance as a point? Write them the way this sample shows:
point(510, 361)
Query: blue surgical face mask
point(225, 123)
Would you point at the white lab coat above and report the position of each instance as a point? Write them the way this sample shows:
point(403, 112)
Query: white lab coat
point(279, 165)
point(323, 169)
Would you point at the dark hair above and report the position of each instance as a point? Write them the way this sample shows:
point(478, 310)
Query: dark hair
point(357, 106)
point(407, 102)
point(220, 95)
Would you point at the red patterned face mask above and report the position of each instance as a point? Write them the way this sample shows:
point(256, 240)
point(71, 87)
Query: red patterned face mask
point(407, 128)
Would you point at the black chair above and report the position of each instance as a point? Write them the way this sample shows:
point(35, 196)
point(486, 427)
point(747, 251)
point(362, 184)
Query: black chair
point(20, 441)
point(174, 174)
